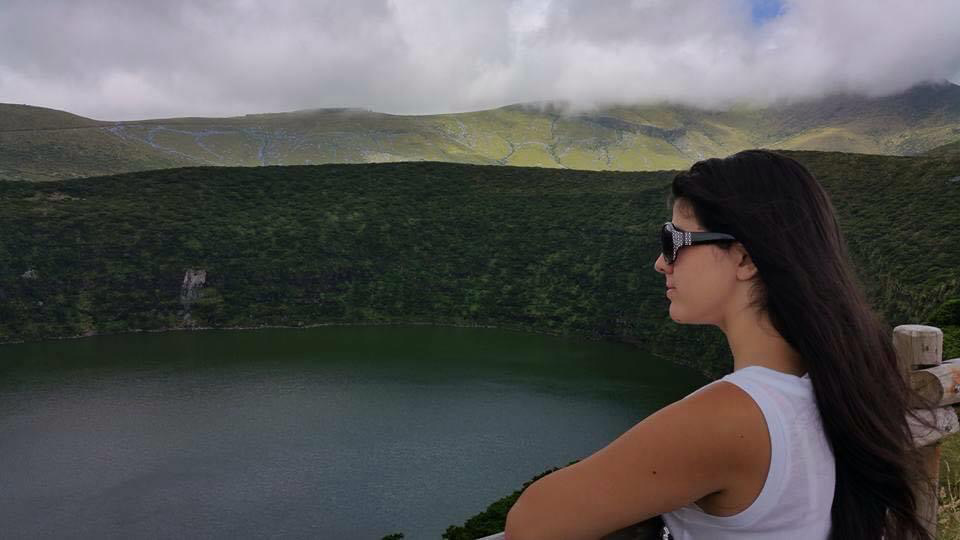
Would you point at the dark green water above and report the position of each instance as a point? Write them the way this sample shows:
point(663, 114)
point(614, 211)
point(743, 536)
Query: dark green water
point(333, 432)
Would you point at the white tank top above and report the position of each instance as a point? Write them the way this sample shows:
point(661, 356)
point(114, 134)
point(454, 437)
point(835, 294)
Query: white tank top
point(797, 495)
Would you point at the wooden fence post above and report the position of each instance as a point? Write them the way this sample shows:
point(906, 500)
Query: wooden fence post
point(920, 347)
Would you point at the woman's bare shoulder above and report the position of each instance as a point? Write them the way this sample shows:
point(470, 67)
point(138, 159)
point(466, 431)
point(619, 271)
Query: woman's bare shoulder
point(732, 402)
point(743, 421)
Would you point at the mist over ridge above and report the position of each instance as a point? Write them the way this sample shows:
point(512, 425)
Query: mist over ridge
point(138, 59)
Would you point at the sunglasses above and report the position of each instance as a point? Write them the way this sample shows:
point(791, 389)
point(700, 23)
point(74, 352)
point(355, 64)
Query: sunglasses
point(672, 239)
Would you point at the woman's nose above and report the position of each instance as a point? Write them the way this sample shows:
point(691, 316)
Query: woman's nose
point(660, 265)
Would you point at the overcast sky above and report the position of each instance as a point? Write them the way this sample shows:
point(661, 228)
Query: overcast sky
point(131, 59)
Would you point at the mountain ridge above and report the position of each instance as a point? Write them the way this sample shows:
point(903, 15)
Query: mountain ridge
point(34, 146)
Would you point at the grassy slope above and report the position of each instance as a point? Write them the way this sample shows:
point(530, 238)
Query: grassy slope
point(532, 248)
point(44, 144)
point(27, 117)
point(618, 138)
point(54, 154)
point(947, 150)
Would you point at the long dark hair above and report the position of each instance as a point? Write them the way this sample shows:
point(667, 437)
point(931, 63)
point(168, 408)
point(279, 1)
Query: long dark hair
point(807, 286)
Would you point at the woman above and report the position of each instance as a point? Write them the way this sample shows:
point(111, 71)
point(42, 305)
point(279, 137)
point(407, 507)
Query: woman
point(807, 437)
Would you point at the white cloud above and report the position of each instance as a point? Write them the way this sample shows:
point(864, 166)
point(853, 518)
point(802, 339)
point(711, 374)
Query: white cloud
point(123, 59)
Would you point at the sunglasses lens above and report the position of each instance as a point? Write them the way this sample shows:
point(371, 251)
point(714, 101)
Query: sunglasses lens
point(666, 242)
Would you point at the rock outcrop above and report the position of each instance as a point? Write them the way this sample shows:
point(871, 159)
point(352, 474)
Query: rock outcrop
point(193, 281)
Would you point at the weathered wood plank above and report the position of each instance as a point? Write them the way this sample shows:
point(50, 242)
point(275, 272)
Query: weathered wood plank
point(940, 384)
point(945, 419)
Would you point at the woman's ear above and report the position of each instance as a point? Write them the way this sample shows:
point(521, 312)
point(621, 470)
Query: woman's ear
point(746, 270)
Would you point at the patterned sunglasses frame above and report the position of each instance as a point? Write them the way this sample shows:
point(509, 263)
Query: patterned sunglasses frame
point(673, 238)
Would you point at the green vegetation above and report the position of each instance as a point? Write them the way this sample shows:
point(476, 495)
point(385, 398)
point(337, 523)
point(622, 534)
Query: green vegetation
point(494, 518)
point(26, 117)
point(947, 318)
point(557, 251)
point(42, 144)
point(52, 154)
point(947, 150)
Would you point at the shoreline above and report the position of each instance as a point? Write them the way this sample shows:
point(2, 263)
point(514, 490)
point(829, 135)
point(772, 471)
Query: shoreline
point(630, 341)
point(317, 325)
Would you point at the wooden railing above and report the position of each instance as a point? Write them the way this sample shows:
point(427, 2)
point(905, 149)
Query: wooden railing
point(920, 351)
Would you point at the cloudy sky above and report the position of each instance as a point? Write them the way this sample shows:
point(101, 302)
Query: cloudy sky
point(131, 59)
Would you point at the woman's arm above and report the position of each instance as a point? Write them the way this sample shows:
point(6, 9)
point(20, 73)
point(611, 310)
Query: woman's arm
point(694, 447)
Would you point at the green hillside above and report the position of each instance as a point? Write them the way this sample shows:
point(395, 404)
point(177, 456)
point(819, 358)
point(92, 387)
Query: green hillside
point(654, 137)
point(947, 150)
point(527, 248)
point(26, 117)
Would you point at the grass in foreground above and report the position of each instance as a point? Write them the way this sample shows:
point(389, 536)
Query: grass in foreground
point(948, 511)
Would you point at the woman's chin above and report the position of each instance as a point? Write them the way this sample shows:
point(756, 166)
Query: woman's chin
point(679, 316)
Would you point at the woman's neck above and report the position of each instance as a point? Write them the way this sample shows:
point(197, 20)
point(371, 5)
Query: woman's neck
point(754, 342)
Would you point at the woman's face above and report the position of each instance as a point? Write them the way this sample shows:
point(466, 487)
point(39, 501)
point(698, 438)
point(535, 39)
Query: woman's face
point(704, 277)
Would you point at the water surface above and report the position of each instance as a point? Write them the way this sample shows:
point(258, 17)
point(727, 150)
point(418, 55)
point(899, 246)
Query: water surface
point(332, 432)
